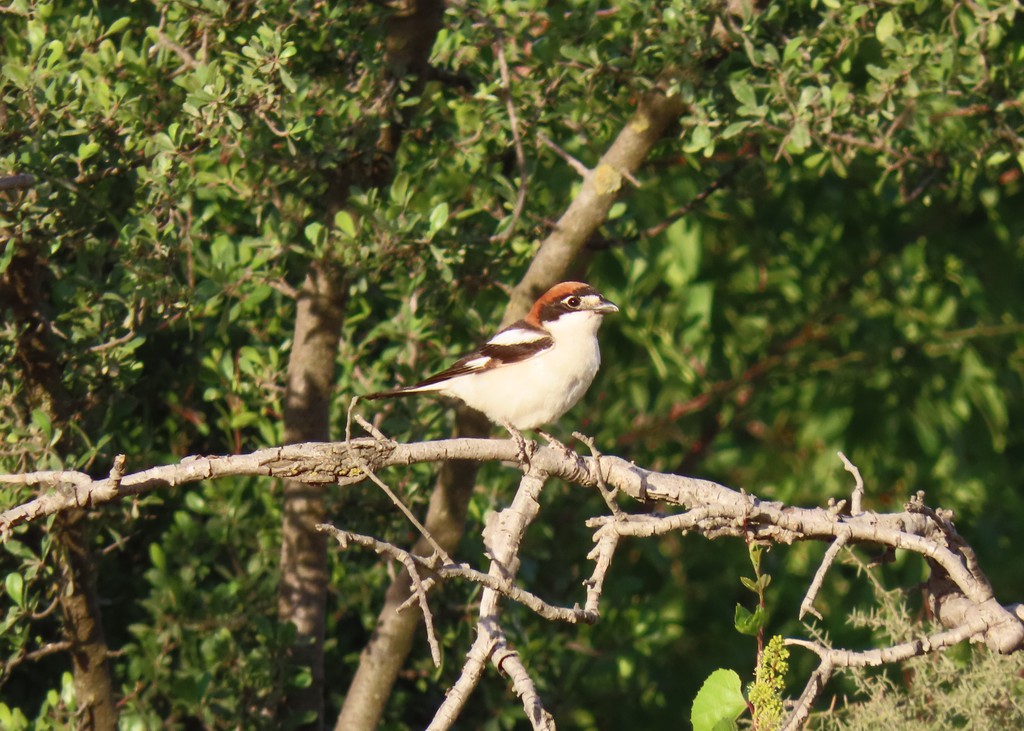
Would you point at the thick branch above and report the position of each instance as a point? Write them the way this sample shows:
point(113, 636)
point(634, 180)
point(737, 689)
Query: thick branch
point(715, 510)
point(589, 210)
point(502, 537)
point(302, 589)
point(961, 596)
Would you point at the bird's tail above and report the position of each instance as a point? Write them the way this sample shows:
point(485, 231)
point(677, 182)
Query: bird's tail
point(385, 394)
point(407, 391)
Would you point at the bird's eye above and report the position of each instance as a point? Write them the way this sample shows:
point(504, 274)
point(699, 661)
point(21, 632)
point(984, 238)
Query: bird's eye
point(573, 302)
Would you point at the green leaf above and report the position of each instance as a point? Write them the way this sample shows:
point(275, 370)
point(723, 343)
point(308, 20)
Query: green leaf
point(157, 556)
point(315, 233)
point(15, 586)
point(287, 80)
point(885, 28)
point(719, 702)
point(118, 25)
point(438, 217)
point(41, 420)
point(87, 150)
point(56, 52)
point(747, 622)
point(343, 220)
point(744, 93)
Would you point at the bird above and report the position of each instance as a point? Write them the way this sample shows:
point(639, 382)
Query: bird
point(533, 371)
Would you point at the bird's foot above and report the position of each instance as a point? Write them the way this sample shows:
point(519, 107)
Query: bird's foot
point(525, 448)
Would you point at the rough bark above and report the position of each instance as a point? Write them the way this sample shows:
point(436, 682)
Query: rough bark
point(303, 586)
point(384, 655)
point(83, 630)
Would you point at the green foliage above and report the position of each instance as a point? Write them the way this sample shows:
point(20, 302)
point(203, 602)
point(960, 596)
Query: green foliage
point(854, 285)
point(747, 622)
point(718, 703)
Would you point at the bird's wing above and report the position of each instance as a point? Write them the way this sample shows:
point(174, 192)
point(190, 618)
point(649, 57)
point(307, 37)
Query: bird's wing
point(514, 344)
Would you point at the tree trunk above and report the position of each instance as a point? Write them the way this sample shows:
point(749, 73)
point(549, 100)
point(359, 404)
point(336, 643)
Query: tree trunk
point(79, 602)
point(303, 586)
point(25, 292)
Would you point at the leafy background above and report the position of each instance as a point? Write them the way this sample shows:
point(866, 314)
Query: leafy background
point(852, 282)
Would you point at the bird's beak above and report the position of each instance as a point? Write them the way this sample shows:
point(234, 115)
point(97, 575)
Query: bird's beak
point(604, 307)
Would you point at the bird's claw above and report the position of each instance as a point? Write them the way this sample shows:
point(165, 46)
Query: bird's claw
point(525, 449)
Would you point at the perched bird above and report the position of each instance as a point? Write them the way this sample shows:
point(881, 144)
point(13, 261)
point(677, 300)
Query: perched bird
point(534, 370)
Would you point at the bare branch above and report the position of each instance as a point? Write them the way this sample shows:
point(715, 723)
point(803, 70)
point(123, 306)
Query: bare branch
point(20, 181)
point(815, 684)
point(961, 597)
point(807, 605)
point(462, 571)
point(833, 659)
point(509, 662)
point(517, 139)
point(857, 498)
point(503, 535)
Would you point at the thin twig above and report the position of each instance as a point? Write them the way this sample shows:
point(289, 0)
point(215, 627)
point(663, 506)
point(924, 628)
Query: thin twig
point(368, 471)
point(187, 59)
point(807, 605)
point(684, 210)
point(464, 571)
point(575, 164)
point(857, 498)
point(45, 651)
point(517, 140)
point(409, 561)
point(361, 463)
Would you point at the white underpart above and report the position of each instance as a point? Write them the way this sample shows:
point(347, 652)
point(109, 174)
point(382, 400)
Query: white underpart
point(538, 390)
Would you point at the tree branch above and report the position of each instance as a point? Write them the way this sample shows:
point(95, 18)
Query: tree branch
point(600, 189)
point(960, 593)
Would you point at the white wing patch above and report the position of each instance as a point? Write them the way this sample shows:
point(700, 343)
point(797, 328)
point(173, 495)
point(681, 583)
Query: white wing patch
point(477, 364)
point(517, 336)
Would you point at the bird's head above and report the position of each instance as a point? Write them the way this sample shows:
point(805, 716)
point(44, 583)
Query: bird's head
point(570, 304)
